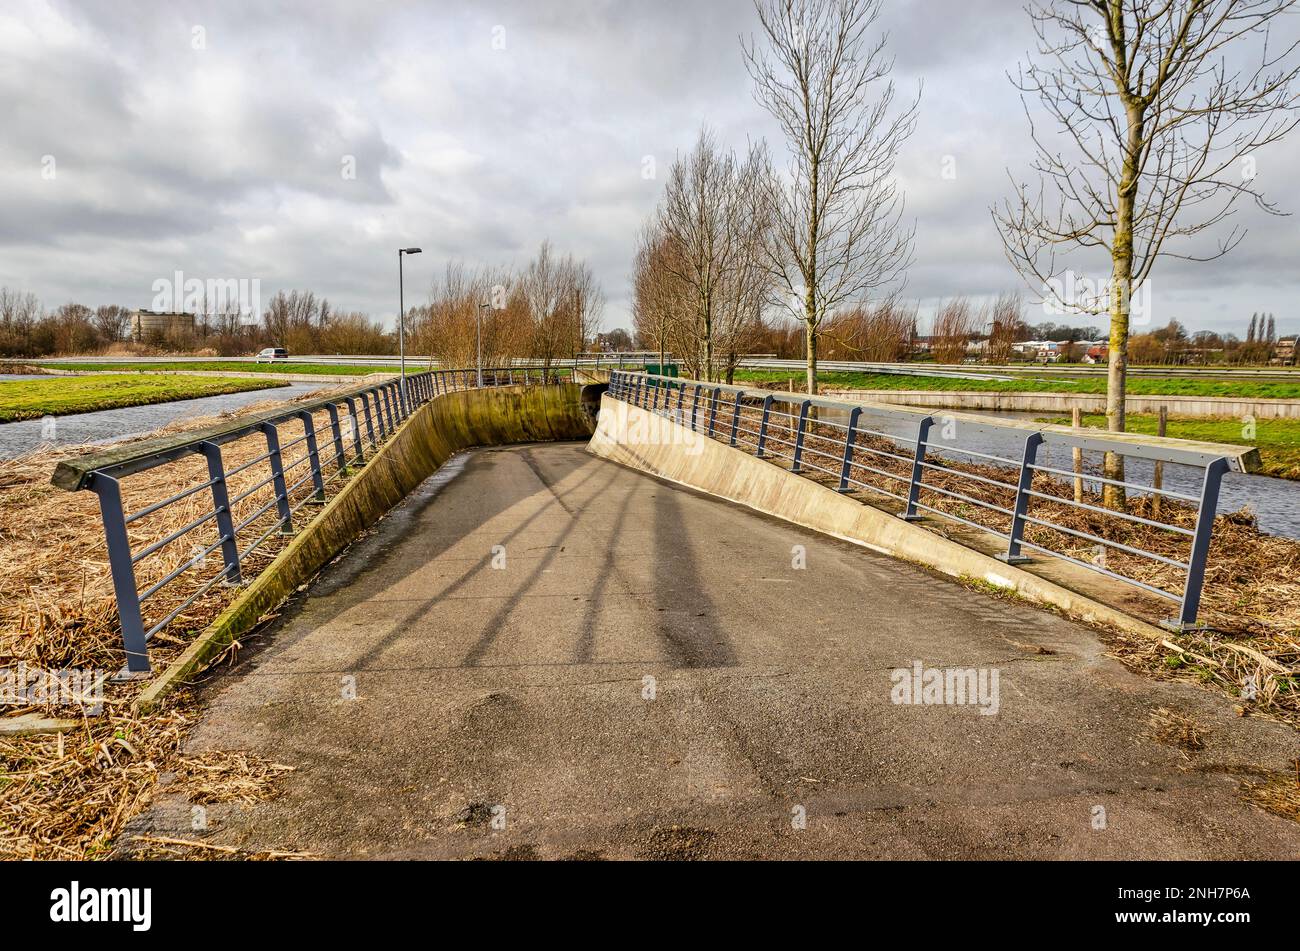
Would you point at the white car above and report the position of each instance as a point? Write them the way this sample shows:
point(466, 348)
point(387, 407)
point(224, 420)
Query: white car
point(271, 354)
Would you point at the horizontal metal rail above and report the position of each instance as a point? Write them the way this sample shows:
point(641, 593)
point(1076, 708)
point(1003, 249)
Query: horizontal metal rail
point(355, 423)
point(925, 445)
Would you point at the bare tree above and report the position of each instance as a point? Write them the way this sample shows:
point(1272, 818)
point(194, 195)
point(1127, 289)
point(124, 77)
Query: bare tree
point(701, 218)
point(659, 299)
point(586, 304)
point(878, 334)
point(747, 283)
point(955, 323)
point(447, 328)
point(837, 213)
point(564, 303)
point(110, 322)
point(1160, 129)
point(1007, 327)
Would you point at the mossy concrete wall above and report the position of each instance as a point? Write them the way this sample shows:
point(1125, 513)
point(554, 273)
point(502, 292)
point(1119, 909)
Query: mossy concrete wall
point(436, 431)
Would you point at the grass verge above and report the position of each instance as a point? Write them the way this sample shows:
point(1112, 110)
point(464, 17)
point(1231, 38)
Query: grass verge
point(1137, 386)
point(230, 366)
point(1278, 439)
point(60, 396)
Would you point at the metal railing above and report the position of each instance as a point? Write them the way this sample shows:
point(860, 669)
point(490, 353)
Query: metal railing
point(242, 484)
point(911, 458)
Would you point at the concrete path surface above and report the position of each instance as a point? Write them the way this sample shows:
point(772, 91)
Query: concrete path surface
point(557, 657)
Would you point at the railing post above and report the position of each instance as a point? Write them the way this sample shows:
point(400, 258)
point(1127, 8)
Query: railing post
point(798, 439)
point(377, 419)
point(276, 459)
point(123, 572)
point(762, 426)
point(735, 416)
point(681, 394)
point(221, 506)
point(313, 457)
point(850, 436)
point(387, 392)
point(336, 432)
point(695, 406)
point(713, 409)
point(1013, 555)
point(355, 421)
point(918, 468)
point(1205, 513)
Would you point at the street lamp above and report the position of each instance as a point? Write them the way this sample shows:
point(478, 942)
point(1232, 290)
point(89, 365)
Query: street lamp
point(479, 359)
point(401, 322)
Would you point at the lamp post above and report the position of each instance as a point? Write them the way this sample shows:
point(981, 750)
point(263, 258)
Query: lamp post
point(401, 322)
point(479, 335)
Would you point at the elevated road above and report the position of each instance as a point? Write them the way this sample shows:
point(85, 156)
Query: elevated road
point(541, 654)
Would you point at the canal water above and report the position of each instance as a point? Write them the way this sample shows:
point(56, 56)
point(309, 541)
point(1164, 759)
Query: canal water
point(1275, 502)
point(111, 425)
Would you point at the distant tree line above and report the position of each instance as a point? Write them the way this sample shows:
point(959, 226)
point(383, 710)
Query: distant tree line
point(298, 320)
point(548, 311)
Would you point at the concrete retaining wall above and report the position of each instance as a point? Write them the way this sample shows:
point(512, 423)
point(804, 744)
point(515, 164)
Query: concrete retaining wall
point(435, 432)
point(1062, 403)
point(650, 443)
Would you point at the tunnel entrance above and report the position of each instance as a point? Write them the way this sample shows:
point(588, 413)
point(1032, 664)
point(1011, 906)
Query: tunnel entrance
point(591, 394)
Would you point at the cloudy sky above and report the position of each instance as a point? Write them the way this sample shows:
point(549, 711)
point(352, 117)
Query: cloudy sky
point(142, 138)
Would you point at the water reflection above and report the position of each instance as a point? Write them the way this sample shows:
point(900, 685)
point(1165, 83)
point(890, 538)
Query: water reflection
point(114, 424)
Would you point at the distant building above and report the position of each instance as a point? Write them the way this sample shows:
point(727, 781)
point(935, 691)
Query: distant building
point(147, 323)
point(1097, 353)
point(1284, 351)
point(1041, 351)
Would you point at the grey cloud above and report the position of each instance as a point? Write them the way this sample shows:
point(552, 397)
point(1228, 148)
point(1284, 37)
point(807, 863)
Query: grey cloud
point(226, 161)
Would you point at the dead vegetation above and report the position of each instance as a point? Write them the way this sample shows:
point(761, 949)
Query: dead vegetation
point(1278, 793)
point(69, 795)
point(227, 776)
point(1178, 730)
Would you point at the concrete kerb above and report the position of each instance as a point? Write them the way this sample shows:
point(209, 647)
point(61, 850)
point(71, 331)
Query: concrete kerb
point(672, 452)
point(1050, 403)
point(436, 431)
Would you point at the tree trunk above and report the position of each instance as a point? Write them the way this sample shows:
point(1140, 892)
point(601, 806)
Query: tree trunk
point(810, 348)
point(1121, 295)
